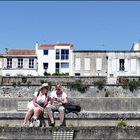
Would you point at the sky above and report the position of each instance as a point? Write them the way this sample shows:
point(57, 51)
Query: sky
point(88, 25)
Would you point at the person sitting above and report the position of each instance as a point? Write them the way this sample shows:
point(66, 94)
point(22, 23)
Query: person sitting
point(38, 103)
point(57, 99)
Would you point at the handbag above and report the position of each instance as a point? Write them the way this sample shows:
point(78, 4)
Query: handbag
point(71, 107)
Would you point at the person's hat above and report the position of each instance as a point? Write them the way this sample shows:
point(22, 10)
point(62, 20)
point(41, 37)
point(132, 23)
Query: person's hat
point(44, 85)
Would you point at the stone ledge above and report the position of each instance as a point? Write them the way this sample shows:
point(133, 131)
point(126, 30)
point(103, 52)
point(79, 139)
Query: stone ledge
point(81, 115)
point(80, 133)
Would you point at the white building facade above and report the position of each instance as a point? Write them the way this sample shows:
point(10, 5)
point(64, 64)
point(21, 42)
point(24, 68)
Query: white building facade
point(62, 58)
point(17, 62)
point(54, 58)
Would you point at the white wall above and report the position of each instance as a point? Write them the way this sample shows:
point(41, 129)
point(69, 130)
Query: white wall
point(132, 64)
point(19, 72)
point(51, 60)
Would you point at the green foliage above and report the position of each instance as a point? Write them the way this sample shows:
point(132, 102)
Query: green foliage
point(124, 86)
point(46, 73)
point(42, 81)
point(28, 83)
point(18, 83)
point(50, 85)
point(14, 83)
point(99, 84)
point(24, 79)
point(122, 123)
point(133, 85)
point(77, 85)
point(60, 74)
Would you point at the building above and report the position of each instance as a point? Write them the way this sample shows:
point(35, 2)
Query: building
point(16, 62)
point(62, 58)
point(54, 58)
point(111, 64)
point(50, 58)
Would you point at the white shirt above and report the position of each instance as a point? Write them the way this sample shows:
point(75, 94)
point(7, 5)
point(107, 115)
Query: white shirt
point(55, 97)
point(61, 96)
point(40, 98)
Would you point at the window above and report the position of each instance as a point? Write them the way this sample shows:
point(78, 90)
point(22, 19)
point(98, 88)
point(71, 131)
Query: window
point(45, 52)
point(121, 65)
point(57, 53)
point(31, 63)
point(77, 74)
point(9, 62)
point(111, 75)
point(20, 62)
point(45, 66)
point(64, 65)
point(57, 66)
point(64, 54)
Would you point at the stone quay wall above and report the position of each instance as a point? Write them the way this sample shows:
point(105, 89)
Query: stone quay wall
point(36, 80)
point(80, 133)
point(87, 104)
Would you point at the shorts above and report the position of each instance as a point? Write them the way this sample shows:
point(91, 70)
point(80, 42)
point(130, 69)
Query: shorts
point(31, 105)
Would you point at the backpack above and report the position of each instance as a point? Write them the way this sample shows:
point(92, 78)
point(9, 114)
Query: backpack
point(70, 107)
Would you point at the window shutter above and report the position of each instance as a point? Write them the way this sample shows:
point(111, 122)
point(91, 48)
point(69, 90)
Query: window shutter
point(87, 64)
point(126, 65)
point(77, 64)
point(133, 65)
point(98, 64)
point(114, 65)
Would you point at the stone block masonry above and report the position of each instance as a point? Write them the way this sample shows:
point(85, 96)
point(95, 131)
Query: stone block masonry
point(80, 133)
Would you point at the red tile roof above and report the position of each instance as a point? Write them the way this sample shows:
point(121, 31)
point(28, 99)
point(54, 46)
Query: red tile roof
point(46, 46)
point(52, 45)
point(21, 52)
point(59, 44)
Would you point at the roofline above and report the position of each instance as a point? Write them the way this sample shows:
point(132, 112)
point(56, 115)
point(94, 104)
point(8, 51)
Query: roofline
point(104, 51)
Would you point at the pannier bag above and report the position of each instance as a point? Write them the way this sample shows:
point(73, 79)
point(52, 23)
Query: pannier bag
point(70, 107)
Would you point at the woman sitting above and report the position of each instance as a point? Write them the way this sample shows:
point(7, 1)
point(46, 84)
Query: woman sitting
point(38, 103)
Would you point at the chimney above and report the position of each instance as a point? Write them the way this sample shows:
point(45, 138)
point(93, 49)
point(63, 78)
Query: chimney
point(36, 47)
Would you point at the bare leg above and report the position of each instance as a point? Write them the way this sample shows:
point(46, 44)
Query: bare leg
point(37, 112)
point(62, 115)
point(28, 115)
point(50, 113)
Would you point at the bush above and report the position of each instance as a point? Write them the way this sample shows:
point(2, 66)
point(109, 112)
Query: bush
point(77, 85)
point(42, 81)
point(28, 83)
point(60, 74)
point(133, 85)
point(46, 73)
point(50, 85)
point(24, 79)
point(14, 84)
point(18, 83)
point(122, 123)
point(99, 84)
